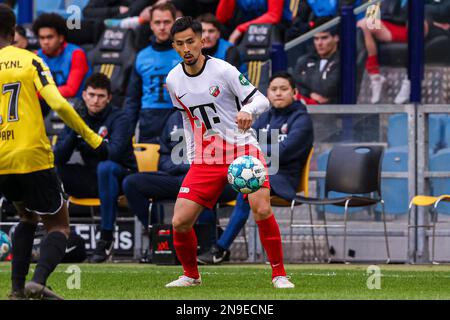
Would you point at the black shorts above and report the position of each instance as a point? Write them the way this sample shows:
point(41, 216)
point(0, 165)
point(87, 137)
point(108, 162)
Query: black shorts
point(40, 191)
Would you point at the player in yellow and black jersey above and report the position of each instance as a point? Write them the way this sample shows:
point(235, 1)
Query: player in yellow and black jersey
point(27, 174)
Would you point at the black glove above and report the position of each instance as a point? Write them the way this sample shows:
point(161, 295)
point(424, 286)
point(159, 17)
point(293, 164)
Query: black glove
point(102, 151)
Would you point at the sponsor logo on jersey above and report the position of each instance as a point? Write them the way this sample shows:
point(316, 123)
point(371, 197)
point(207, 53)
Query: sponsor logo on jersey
point(103, 131)
point(243, 80)
point(214, 91)
point(184, 190)
point(284, 128)
point(46, 74)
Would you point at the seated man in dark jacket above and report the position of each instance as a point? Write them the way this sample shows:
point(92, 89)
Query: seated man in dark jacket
point(293, 123)
point(99, 175)
point(165, 183)
point(105, 9)
point(317, 76)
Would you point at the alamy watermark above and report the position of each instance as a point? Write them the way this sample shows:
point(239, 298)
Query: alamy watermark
point(74, 280)
point(73, 22)
point(374, 277)
point(373, 17)
point(217, 149)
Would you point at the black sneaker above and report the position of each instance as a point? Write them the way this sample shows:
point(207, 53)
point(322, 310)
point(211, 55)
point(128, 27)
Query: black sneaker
point(102, 252)
point(17, 295)
point(214, 256)
point(37, 291)
point(146, 257)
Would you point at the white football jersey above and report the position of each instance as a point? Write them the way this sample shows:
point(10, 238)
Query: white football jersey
point(209, 102)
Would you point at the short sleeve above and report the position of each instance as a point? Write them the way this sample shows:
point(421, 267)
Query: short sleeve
point(175, 102)
point(42, 75)
point(239, 84)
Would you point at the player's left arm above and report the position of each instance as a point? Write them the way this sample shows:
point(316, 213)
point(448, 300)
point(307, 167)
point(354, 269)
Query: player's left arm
point(253, 102)
point(78, 69)
point(120, 138)
point(47, 89)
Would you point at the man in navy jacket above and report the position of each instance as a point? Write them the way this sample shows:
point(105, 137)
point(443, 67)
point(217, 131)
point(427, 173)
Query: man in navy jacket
point(148, 100)
point(165, 183)
point(295, 139)
point(100, 175)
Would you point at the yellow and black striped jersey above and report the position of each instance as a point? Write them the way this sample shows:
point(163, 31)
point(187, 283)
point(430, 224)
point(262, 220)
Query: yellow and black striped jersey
point(24, 146)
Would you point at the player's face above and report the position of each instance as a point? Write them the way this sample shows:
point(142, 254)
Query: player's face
point(161, 23)
point(325, 44)
point(96, 99)
point(50, 41)
point(19, 41)
point(280, 93)
point(188, 45)
point(210, 34)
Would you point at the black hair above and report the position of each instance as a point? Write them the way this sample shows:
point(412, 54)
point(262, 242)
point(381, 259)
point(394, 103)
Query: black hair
point(98, 81)
point(185, 23)
point(166, 6)
point(21, 31)
point(334, 31)
point(8, 21)
point(50, 20)
point(210, 18)
point(284, 75)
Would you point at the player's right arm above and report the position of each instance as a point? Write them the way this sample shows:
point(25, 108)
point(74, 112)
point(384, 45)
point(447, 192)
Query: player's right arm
point(46, 87)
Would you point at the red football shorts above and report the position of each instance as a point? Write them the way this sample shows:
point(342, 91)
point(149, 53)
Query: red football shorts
point(398, 32)
point(204, 183)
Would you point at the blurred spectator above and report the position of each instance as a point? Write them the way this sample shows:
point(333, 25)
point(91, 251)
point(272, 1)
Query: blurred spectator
point(391, 28)
point(194, 8)
point(105, 9)
point(10, 3)
point(134, 22)
point(20, 38)
point(318, 75)
point(254, 11)
point(214, 45)
point(165, 183)
point(293, 123)
point(99, 175)
point(67, 62)
point(309, 11)
point(147, 98)
point(302, 22)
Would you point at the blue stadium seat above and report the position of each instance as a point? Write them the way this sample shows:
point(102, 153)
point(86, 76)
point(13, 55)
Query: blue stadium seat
point(322, 161)
point(398, 131)
point(436, 125)
point(395, 190)
point(446, 142)
point(441, 162)
point(58, 6)
point(48, 6)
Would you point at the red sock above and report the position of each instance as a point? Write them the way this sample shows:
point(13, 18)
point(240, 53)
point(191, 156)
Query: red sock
point(372, 65)
point(269, 234)
point(185, 244)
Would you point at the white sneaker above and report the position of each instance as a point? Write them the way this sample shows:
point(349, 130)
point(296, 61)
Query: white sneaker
point(282, 282)
point(376, 81)
point(184, 281)
point(403, 94)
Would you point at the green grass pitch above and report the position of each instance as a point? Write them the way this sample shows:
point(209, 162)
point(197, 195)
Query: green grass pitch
point(137, 281)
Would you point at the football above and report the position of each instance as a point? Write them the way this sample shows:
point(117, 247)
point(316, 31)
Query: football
point(246, 174)
point(5, 246)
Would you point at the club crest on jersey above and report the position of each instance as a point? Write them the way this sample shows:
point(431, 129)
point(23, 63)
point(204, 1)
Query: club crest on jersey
point(243, 80)
point(214, 91)
point(284, 128)
point(103, 131)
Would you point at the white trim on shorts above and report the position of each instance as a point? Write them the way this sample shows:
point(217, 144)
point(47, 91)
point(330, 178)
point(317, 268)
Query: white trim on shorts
point(48, 213)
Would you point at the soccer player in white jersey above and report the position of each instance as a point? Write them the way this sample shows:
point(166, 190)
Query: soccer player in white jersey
point(218, 105)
